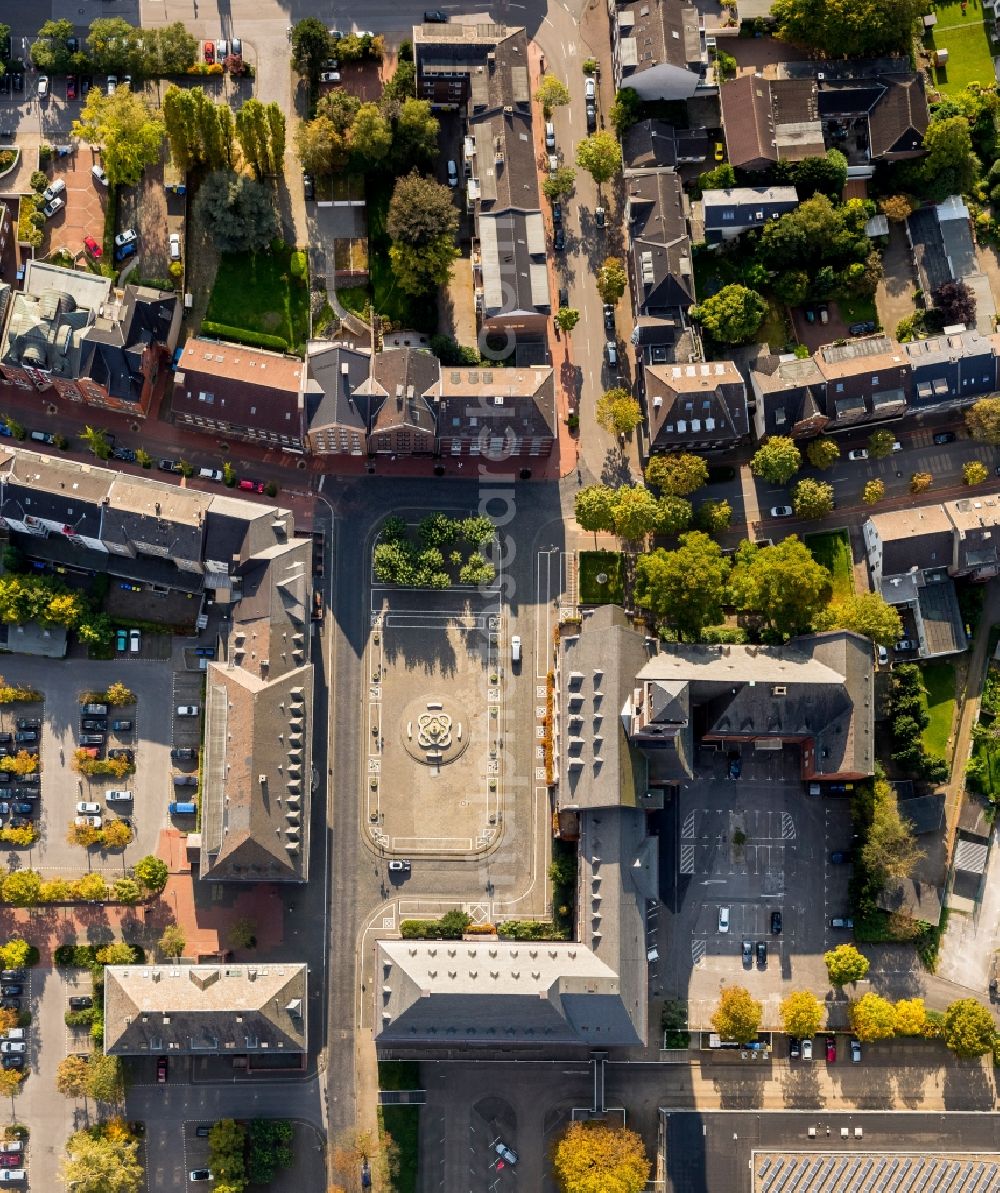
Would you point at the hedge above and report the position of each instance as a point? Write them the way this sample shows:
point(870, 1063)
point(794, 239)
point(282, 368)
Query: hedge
point(253, 339)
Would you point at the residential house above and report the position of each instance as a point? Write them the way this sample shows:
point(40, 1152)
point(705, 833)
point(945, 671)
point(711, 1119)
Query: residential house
point(881, 118)
point(231, 1010)
point(695, 407)
point(257, 762)
point(660, 266)
point(912, 558)
point(951, 370)
point(656, 145)
point(165, 523)
point(41, 496)
point(500, 414)
point(398, 389)
point(943, 250)
point(789, 396)
point(729, 213)
point(659, 50)
point(814, 693)
point(67, 333)
point(767, 119)
point(867, 380)
point(482, 70)
point(336, 418)
point(241, 393)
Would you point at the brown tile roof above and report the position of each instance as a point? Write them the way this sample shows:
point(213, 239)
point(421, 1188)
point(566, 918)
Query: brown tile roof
point(898, 122)
point(246, 386)
point(519, 399)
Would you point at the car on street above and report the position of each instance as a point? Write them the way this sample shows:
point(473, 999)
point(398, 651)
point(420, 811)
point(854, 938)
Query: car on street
point(841, 857)
point(12, 1147)
point(161, 1070)
point(91, 739)
point(794, 1050)
point(134, 641)
point(127, 250)
point(236, 47)
point(129, 236)
point(559, 240)
point(591, 112)
point(434, 16)
point(943, 437)
point(505, 1153)
point(121, 726)
point(904, 644)
point(831, 1050)
point(98, 173)
point(12, 989)
point(882, 655)
point(719, 152)
point(25, 738)
point(855, 1051)
point(309, 187)
point(28, 723)
point(599, 216)
point(88, 822)
point(609, 317)
point(775, 923)
point(747, 954)
point(17, 79)
point(858, 453)
point(515, 649)
point(399, 866)
point(175, 246)
point(43, 86)
point(118, 797)
point(93, 248)
point(550, 136)
point(841, 921)
point(723, 919)
point(112, 84)
point(557, 217)
point(611, 352)
point(762, 954)
point(209, 52)
point(205, 652)
point(249, 485)
point(70, 87)
point(590, 89)
point(80, 1002)
point(330, 76)
point(57, 187)
point(781, 511)
point(11, 1062)
point(865, 328)
point(167, 466)
point(11, 1046)
point(188, 710)
point(95, 725)
point(183, 754)
point(200, 1174)
point(735, 764)
point(202, 1130)
point(185, 780)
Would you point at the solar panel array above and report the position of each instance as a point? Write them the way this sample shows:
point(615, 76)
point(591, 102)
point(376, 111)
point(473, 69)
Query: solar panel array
point(875, 1174)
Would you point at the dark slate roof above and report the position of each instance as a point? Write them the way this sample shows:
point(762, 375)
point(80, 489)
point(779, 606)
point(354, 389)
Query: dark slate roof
point(917, 538)
point(695, 403)
point(111, 351)
point(791, 392)
point(746, 206)
point(844, 98)
point(402, 378)
point(899, 121)
point(928, 248)
point(492, 402)
point(924, 812)
point(76, 514)
point(656, 144)
point(333, 376)
point(661, 249)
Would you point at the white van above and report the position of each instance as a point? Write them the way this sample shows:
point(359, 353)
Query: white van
point(515, 649)
point(210, 474)
point(611, 348)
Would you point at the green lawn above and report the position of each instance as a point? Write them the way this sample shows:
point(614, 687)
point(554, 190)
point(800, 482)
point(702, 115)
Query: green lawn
point(939, 679)
point(968, 45)
point(398, 1074)
point(774, 331)
point(402, 1124)
point(256, 292)
point(595, 563)
point(832, 549)
point(857, 310)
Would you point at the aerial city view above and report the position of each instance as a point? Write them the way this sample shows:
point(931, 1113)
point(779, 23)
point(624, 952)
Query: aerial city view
point(500, 596)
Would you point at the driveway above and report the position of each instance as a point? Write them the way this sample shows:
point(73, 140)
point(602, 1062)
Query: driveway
point(85, 198)
point(894, 296)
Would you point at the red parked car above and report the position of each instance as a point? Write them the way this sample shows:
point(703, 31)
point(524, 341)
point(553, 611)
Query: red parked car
point(161, 1070)
point(251, 486)
point(831, 1050)
point(92, 247)
point(209, 52)
point(71, 86)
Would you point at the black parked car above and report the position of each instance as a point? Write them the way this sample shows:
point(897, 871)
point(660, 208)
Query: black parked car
point(775, 923)
point(121, 726)
point(943, 437)
point(183, 755)
point(841, 857)
point(12, 989)
point(6, 739)
point(23, 809)
point(748, 954)
point(865, 328)
point(556, 214)
point(28, 723)
point(793, 1047)
point(80, 1002)
point(559, 243)
point(609, 317)
point(762, 954)
point(98, 725)
point(9, 1003)
point(27, 737)
point(14, 1061)
point(309, 187)
point(11, 975)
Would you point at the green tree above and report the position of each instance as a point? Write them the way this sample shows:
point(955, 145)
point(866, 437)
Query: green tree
point(127, 890)
point(551, 93)
point(260, 129)
point(738, 1016)
point(812, 498)
point(596, 1157)
point(880, 444)
point(176, 49)
point(732, 315)
point(567, 318)
point(116, 953)
point(102, 1164)
point(861, 28)
point(636, 513)
point(983, 420)
point(714, 516)
point(911, 1018)
point(50, 51)
point(237, 213)
point(129, 134)
point(783, 585)
point(873, 492)
point(818, 232)
point(370, 140)
point(617, 412)
point(625, 110)
point(173, 941)
point(415, 135)
point(423, 224)
point(776, 460)
point(243, 934)
point(674, 515)
point(974, 472)
point(559, 184)
point(71, 1076)
point(20, 887)
point(872, 1018)
point(600, 155)
point(968, 1028)
point(226, 1149)
point(112, 46)
point(105, 1080)
point(950, 166)
point(593, 508)
point(921, 481)
point(15, 953)
point(684, 588)
point(801, 1014)
point(611, 280)
point(845, 964)
point(868, 614)
point(97, 441)
point(822, 452)
point(827, 174)
point(679, 474)
point(311, 46)
point(152, 873)
point(890, 850)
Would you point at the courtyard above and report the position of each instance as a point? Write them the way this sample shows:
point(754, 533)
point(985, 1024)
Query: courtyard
point(433, 753)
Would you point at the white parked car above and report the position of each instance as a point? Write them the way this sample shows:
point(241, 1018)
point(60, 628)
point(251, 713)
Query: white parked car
point(175, 246)
point(590, 89)
point(57, 188)
point(859, 453)
point(723, 919)
point(10, 1046)
point(129, 236)
point(88, 821)
point(807, 1049)
point(781, 511)
point(187, 710)
point(98, 173)
point(119, 797)
point(87, 807)
point(515, 648)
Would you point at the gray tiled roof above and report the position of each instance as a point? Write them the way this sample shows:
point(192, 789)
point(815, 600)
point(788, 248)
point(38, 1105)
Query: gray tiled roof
point(215, 1009)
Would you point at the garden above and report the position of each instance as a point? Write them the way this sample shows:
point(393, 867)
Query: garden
point(939, 683)
point(963, 30)
point(438, 552)
point(832, 549)
point(601, 577)
point(261, 299)
point(983, 771)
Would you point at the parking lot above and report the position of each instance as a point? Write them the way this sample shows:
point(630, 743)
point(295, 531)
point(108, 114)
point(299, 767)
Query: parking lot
point(755, 845)
point(153, 733)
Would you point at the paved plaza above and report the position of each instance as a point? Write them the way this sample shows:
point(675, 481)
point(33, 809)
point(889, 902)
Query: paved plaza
point(433, 768)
